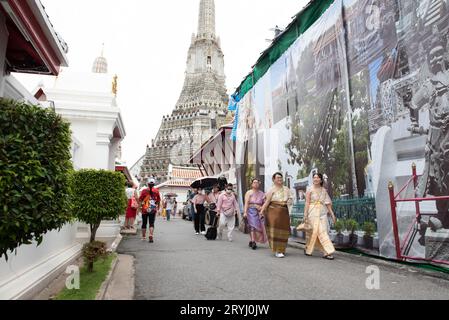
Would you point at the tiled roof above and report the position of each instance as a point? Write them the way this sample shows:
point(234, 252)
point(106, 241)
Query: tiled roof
point(185, 173)
point(175, 183)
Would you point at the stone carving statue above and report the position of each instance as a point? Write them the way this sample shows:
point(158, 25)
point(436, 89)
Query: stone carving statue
point(433, 92)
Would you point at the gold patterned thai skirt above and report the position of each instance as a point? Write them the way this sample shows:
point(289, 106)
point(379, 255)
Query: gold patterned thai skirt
point(317, 237)
point(278, 226)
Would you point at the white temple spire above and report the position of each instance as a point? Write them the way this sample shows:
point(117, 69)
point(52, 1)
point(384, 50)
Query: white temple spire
point(206, 21)
point(100, 64)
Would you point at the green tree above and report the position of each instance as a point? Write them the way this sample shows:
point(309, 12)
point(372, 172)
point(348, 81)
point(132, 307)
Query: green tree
point(360, 105)
point(34, 173)
point(361, 146)
point(340, 163)
point(319, 131)
point(98, 195)
point(316, 129)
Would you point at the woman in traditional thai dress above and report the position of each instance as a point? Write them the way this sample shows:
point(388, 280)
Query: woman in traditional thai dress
point(318, 207)
point(254, 200)
point(276, 205)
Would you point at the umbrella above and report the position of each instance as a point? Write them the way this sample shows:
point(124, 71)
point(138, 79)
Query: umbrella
point(204, 182)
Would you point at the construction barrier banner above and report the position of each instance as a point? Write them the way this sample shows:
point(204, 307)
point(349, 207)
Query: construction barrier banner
point(361, 95)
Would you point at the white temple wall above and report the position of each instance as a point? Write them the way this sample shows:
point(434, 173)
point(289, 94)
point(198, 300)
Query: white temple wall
point(84, 131)
point(33, 267)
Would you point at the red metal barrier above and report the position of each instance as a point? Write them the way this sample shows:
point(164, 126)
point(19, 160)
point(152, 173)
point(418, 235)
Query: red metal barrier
point(415, 185)
point(393, 204)
point(395, 220)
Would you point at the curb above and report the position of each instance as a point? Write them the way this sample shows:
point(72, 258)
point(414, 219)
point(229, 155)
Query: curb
point(116, 243)
point(104, 286)
point(378, 261)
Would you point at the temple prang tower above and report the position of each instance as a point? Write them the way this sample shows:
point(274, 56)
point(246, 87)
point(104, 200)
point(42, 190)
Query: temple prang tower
point(202, 106)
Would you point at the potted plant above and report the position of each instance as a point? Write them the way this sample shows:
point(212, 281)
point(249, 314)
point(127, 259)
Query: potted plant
point(369, 228)
point(339, 226)
point(352, 226)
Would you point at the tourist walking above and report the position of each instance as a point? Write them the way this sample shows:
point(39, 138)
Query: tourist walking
point(150, 199)
point(163, 212)
point(192, 193)
point(254, 200)
point(169, 207)
point(227, 208)
point(175, 208)
point(318, 207)
point(131, 209)
point(200, 215)
point(212, 200)
point(276, 206)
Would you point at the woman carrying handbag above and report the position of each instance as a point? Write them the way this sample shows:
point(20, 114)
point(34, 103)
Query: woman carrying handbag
point(318, 207)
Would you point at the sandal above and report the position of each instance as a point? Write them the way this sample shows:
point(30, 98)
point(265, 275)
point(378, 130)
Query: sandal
point(329, 257)
point(309, 255)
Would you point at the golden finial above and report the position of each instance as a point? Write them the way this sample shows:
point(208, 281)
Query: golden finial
point(414, 165)
point(390, 185)
point(114, 85)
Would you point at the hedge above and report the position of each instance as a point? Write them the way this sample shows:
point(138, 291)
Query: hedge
point(98, 195)
point(35, 167)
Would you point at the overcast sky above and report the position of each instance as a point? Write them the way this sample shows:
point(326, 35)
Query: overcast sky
point(146, 44)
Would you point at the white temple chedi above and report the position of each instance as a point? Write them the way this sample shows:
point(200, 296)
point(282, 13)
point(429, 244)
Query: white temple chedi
point(201, 108)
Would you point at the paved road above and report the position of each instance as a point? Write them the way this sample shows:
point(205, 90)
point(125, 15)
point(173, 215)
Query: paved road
point(182, 265)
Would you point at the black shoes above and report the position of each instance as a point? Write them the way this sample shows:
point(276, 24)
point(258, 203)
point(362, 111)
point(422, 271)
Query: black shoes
point(151, 240)
point(252, 245)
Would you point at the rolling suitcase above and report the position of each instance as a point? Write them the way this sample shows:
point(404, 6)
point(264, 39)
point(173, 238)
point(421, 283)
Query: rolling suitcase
point(211, 233)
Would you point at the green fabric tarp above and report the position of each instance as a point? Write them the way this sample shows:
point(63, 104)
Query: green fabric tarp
point(303, 21)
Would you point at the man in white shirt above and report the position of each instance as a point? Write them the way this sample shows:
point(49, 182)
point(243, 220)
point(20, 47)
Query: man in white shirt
point(170, 207)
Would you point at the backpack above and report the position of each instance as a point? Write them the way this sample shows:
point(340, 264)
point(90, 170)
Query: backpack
point(148, 205)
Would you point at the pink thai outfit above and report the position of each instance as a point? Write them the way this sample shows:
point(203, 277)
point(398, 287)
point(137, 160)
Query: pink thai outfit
point(257, 224)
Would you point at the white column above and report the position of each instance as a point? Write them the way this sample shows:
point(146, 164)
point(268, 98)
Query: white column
point(112, 152)
point(3, 45)
point(102, 150)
